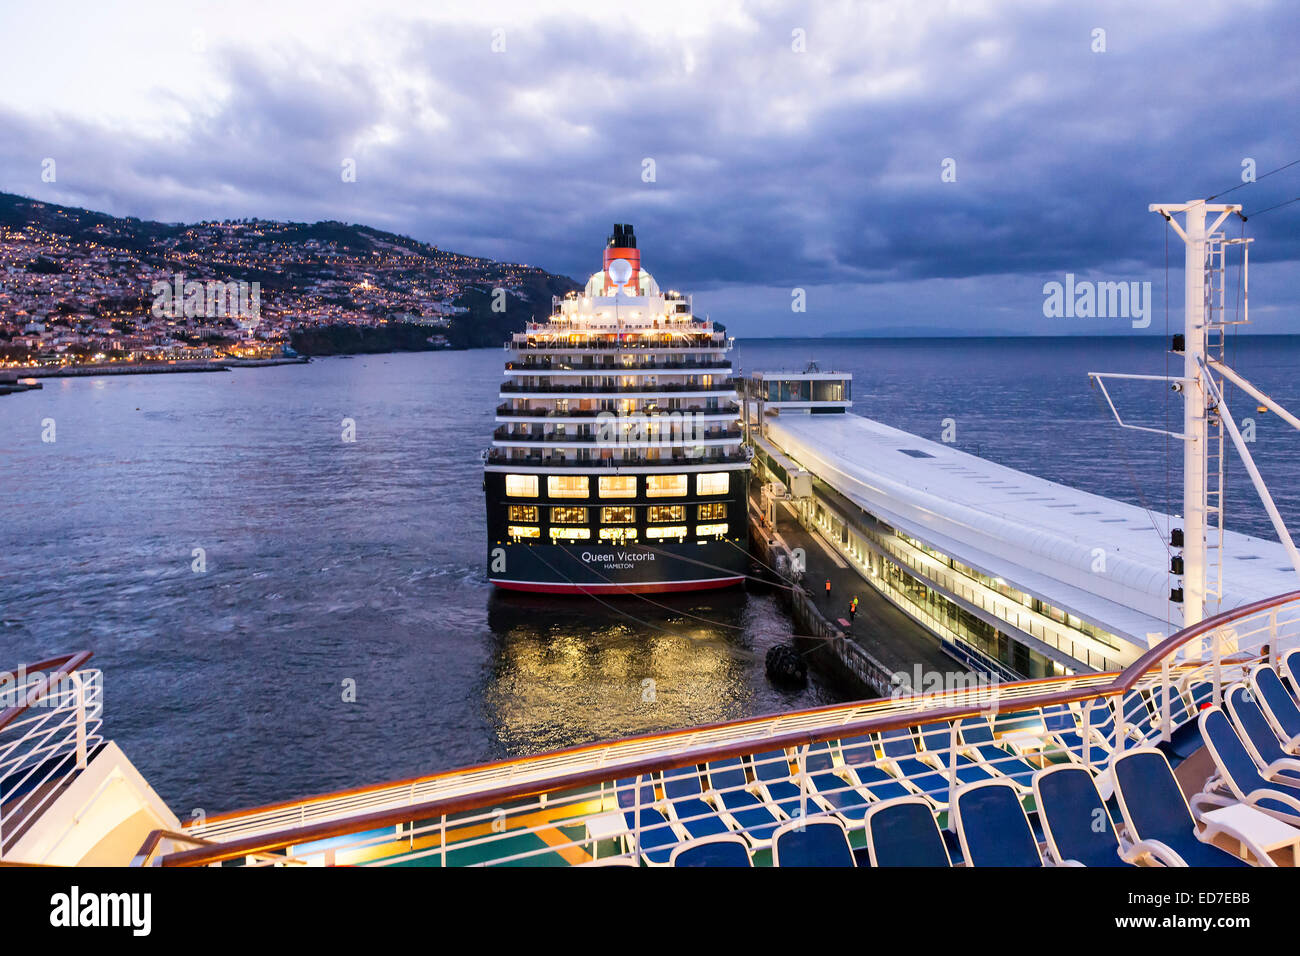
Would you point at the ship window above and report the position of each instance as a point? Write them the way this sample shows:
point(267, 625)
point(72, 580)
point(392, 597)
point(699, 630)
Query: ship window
point(667, 513)
point(570, 534)
point(673, 531)
point(568, 515)
point(619, 486)
point(665, 486)
point(521, 486)
point(711, 512)
point(712, 483)
point(617, 515)
point(716, 530)
point(566, 486)
point(522, 531)
point(526, 513)
point(618, 534)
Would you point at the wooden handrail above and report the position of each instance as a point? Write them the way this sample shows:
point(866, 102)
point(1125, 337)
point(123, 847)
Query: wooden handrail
point(262, 844)
point(66, 664)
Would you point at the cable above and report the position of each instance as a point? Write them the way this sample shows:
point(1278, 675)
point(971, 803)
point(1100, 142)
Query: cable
point(1271, 208)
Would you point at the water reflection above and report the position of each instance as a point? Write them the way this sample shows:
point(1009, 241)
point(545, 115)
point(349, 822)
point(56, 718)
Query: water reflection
point(571, 671)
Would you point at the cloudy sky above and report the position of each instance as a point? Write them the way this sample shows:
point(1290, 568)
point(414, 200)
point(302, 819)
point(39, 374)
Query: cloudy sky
point(793, 145)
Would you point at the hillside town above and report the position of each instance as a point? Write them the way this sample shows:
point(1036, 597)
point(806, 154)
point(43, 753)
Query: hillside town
point(79, 287)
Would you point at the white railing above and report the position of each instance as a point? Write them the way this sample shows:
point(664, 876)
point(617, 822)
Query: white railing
point(50, 726)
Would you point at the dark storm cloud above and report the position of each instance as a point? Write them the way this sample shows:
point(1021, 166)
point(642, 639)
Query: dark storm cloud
point(773, 167)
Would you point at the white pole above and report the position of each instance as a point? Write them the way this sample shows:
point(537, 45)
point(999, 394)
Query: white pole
point(1194, 420)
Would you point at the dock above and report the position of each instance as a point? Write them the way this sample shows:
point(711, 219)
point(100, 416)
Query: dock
point(1016, 575)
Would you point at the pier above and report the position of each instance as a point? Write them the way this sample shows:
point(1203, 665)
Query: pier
point(1009, 574)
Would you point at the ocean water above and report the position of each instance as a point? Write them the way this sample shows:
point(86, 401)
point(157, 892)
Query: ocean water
point(334, 569)
point(331, 569)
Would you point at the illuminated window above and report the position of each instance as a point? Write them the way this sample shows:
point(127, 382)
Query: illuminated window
point(521, 486)
point(712, 483)
point(673, 531)
point(618, 486)
point(570, 534)
point(665, 486)
point(618, 534)
point(710, 530)
point(617, 515)
point(527, 513)
point(567, 486)
point(569, 515)
point(667, 513)
point(711, 512)
point(523, 531)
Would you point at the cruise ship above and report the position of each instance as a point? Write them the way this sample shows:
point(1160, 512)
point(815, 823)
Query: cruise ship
point(617, 463)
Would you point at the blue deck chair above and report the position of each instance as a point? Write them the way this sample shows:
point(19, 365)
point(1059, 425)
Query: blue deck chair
point(899, 747)
point(724, 850)
point(1067, 731)
point(1239, 774)
point(1156, 815)
point(1137, 717)
point(752, 816)
point(820, 842)
point(859, 755)
point(684, 794)
point(1184, 736)
point(1260, 742)
point(903, 832)
point(772, 772)
point(1288, 666)
point(1278, 705)
point(1075, 822)
point(992, 826)
point(832, 791)
point(977, 735)
point(1201, 693)
point(657, 838)
point(938, 741)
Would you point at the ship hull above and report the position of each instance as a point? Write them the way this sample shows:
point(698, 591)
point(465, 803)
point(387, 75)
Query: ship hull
point(618, 569)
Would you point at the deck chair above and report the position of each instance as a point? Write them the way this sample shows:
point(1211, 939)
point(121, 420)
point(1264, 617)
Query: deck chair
point(657, 838)
point(1184, 737)
point(1278, 705)
point(1288, 667)
point(724, 850)
point(1239, 774)
point(1075, 822)
point(1257, 736)
point(1061, 723)
point(859, 755)
point(830, 790)
point(685, 797)
point(750, 814)
point(1156, 816)
point(819, 842)
point(977, 736)
point(992, 826)
point(903, 832)
point(1137, 717)
point(772, 774)
point(937, 739)
point(899, 747)
point(1201, 693)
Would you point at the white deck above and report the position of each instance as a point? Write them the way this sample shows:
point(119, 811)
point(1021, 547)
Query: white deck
point(1037, 535)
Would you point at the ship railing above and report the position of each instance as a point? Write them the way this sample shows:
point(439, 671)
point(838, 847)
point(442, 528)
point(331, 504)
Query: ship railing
point(49, 728)
point(710, 434)
point(505, 411)
point(722, 388)
point(499, 456)
point(585, 804)
point(550, 367)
